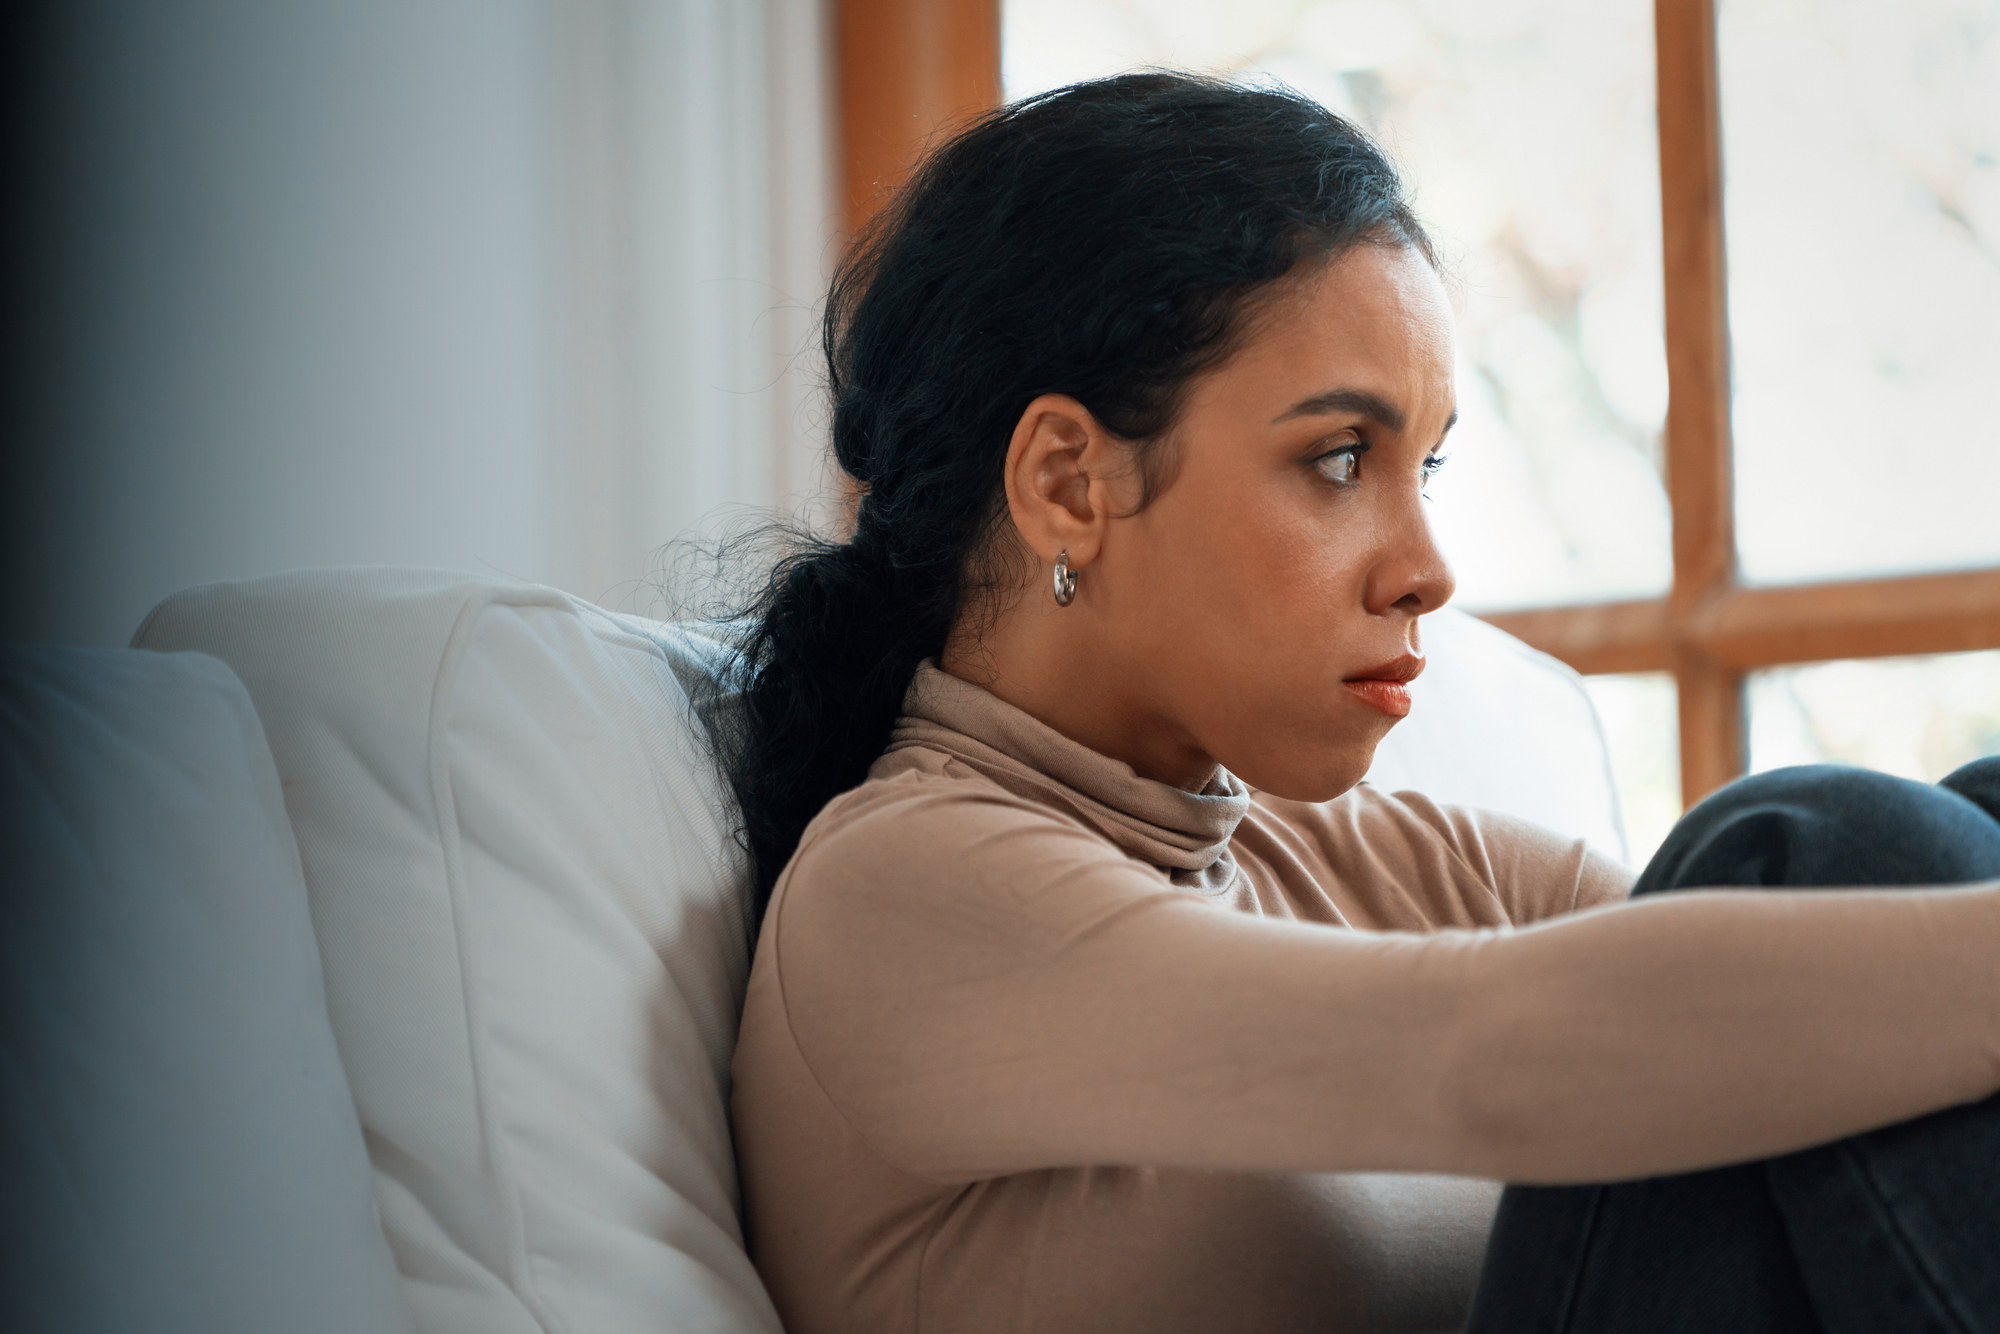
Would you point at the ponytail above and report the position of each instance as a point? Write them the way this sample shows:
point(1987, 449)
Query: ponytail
point(1101, 241)
point(841, 635)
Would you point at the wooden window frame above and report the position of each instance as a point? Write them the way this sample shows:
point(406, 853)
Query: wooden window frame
point(907, 69)
point(910, 67)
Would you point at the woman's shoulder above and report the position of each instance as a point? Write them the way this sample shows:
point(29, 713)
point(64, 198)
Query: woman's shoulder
point(928, 854)
point(922, 811)
point(921, 783)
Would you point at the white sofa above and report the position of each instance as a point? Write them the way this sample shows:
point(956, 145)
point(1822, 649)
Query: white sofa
point(394, 988)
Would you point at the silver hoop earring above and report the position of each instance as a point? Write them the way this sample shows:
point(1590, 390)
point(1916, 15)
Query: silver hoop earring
point(1065, 581)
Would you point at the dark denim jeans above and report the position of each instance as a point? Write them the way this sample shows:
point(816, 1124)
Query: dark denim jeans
point(1894, 1230)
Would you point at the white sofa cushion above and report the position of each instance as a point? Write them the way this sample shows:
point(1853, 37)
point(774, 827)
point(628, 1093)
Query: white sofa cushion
point(179, 1152)
point(535, 930)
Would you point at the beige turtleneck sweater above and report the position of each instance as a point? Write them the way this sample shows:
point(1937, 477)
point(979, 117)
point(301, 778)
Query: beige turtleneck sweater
point(1033, 1043)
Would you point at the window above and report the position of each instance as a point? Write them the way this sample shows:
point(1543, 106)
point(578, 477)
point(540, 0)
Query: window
point(1833, 502)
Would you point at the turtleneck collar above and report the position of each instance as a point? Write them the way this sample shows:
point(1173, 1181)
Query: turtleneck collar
point(1183, 833)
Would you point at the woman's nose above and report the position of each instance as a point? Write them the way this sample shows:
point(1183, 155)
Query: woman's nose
point(1412, 575)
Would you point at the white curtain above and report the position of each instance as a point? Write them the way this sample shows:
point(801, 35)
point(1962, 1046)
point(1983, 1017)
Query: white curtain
point(697, 243)
point(525, 287)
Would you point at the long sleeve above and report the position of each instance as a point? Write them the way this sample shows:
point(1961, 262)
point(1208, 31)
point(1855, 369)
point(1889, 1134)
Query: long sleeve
point(980, 987)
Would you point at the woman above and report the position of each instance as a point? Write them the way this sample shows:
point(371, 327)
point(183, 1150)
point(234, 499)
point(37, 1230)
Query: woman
point(1085, 956)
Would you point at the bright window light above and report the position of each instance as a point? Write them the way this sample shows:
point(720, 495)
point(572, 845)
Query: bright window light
point(1862, 206)
point(1915, 717)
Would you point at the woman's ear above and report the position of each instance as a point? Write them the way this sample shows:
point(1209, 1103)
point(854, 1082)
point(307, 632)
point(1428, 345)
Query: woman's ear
point(1062, 470)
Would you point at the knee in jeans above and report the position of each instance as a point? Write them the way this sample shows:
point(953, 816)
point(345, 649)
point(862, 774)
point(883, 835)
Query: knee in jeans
point(1979, 783)
point(1826, 825)
point(1815, 786)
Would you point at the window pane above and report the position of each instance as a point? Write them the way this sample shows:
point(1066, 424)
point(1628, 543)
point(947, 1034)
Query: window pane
point(1863, 216)
point(1915, 717)
point(1527, 130)
point(1641, 717)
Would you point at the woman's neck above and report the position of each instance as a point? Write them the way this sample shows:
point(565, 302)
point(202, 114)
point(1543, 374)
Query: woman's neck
point(1028, 658)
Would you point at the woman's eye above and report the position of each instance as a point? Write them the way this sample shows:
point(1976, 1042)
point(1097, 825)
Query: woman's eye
point(1342, 466)
point(1432, 462)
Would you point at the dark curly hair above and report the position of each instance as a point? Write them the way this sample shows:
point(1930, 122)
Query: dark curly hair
point(1104, 241)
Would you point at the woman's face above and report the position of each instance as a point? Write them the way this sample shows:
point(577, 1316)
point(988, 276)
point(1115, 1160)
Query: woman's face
point(1250, 614)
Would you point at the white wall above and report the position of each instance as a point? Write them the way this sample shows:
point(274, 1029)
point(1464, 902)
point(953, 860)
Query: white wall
point(496, 284)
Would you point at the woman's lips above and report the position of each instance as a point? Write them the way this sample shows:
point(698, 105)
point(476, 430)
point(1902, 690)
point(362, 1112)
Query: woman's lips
point(1392, 697)
point(1387, 685)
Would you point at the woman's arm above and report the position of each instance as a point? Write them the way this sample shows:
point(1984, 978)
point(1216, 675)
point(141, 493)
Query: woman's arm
point(1687, 1030)
point(981, 989)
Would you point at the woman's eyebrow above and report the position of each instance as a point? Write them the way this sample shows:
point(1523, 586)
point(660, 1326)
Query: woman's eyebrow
point(1345, 400)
